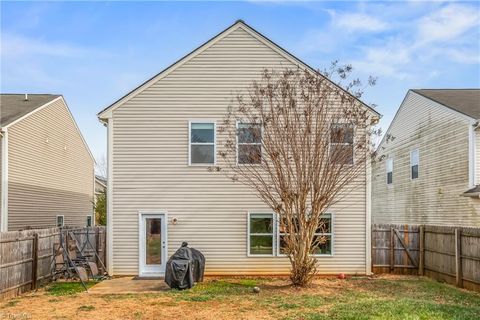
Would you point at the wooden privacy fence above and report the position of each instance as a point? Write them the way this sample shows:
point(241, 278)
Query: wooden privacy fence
point(450, 254)
point(27, 257)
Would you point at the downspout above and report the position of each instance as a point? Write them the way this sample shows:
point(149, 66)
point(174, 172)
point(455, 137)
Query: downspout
point(4, 181)
point(472, 174)
point(109, 124)
point(476, 161)
point(368, 202)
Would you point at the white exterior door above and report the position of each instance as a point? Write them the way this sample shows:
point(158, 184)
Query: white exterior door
point(153, 244)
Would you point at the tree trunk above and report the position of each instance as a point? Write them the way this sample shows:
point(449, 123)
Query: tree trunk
point(303, 270)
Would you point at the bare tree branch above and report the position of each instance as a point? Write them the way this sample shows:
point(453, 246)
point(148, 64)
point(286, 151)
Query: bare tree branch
point(310, 152)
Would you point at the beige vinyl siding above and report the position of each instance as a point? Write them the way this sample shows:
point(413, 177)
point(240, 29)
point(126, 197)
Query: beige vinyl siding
point(151, 172)
point(442, 137)
point(50, 170)
point(1, 166)
point(477, 156)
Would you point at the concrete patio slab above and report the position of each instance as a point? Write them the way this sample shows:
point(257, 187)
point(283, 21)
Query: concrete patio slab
point(125, 285)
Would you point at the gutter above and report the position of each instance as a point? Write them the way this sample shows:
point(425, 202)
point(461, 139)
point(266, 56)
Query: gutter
point(476, 125)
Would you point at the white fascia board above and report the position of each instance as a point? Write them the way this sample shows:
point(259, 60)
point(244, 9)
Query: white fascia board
point(106, 113)
point(409, 93)
point(287, 55)
point(60, 98)
point(78, 130)
point(33, 111)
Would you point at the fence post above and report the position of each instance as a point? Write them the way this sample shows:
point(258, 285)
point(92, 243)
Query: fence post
point(458, 257)
point(34, 261)
point(392, 250)
point(97, 245)
point(421, 263)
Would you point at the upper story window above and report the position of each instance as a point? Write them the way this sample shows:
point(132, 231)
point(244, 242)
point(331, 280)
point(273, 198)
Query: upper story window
point(202, 143)
point(341, 143)
point(249, 143)
point(389, 171)
point(414, 161)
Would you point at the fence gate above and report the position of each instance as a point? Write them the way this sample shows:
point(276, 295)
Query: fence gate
point(395, 249)
point(449, 254)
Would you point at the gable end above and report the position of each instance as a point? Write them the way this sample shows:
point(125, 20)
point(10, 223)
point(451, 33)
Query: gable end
point(106, 113)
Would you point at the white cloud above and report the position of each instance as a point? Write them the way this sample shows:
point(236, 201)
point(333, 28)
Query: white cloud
point(385, 60)
point(409, 46)
point(462, 56)
point(343, 28)
point(359, 22)
point(15, 46)
point(448, 23)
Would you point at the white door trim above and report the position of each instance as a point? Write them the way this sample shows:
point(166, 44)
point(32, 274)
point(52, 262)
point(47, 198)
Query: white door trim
point(160, 271)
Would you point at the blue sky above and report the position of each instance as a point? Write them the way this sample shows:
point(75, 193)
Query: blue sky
point(95, 52)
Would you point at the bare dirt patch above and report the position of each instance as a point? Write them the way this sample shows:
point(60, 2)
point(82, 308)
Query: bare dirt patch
point(235, 299)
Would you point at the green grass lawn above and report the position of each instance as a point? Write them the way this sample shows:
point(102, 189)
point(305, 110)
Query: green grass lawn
point(411, 298)
point(355, 298)
point(64, 288)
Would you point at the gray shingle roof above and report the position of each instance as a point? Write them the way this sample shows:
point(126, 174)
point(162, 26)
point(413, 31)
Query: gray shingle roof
point(474, 192)
point(14, 106)
point(466, 101)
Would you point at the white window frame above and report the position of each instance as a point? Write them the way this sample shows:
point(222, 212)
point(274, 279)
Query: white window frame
point(243, 143)
point(276, 235)
point(411, 164)
point(274, 232)
point(389, 160)
point(56, 220)
point(91, 220)
point(330, 143)
point(202, 143)
point(331, 234)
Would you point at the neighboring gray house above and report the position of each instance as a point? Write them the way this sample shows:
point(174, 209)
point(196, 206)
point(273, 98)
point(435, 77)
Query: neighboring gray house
point(160, 192)
point(428, 167)
point(47, 170)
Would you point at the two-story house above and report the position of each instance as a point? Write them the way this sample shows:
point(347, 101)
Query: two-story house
point(47, 169)
point(428, 166)
point(163, 135)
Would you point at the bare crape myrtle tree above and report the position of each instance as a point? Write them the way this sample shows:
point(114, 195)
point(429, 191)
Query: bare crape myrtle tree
point(300, 142)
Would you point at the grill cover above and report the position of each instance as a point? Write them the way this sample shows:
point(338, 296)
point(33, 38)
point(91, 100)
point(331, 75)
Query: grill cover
point(184, 268)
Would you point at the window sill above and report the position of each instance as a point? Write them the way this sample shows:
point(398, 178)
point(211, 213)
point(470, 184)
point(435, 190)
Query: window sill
point(249, 255)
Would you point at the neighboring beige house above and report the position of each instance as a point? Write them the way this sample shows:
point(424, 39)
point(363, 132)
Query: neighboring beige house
point(160, 192)
point(429, 161)
point(100, 185)
point(47, 170)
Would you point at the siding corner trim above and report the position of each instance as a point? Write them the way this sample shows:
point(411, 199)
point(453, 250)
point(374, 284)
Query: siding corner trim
point(4, 182)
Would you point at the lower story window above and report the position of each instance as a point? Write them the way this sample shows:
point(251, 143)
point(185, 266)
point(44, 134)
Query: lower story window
point(60, 220)
point(89, 221)
point(260, 234)
point(322, 238)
